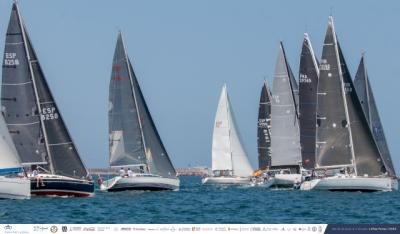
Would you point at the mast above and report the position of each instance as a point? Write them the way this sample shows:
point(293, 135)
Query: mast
point(135, 101)
point(343, 94)
point(35, 88)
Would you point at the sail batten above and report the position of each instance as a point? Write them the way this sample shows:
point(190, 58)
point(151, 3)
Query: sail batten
point(285, 135)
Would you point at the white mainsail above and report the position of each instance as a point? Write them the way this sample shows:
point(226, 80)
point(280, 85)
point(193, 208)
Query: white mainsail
point(227, 150)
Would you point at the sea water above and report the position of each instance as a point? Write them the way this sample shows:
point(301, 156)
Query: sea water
point(195, 203)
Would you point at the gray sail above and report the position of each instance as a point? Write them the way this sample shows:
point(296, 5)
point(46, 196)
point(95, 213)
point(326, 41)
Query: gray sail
point(18, 97)
point(366, 153)
point(308, 80)
point(333, 146)
point(367, 100)
point(125, 138)
point(61, 151)
point(156, 157)
point(263, 128)
point(285, 134)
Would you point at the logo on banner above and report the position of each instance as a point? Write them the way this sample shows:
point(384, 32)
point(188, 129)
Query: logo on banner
point(53, 229)
point(64, 228)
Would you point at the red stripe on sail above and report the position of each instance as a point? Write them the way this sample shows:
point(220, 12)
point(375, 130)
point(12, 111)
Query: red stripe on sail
point(116, 68)
point(118, 78)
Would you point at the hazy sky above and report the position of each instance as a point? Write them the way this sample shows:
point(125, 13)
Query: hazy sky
point(183, 51)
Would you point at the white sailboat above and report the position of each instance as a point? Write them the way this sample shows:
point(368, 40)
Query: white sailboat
point(134, 140)
point(11, 186)
point(345, 148)
point(230, 164)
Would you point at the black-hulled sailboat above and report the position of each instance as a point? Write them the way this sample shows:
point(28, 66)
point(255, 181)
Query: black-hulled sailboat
point(264, 128)
point(347, 157)
point(34, 121)
point(308, 83)
point(285, 133)
point(135, 145)
point(366, 96)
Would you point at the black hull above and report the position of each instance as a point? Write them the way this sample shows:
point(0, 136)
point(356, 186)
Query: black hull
point(62, 187)
point(142, 187)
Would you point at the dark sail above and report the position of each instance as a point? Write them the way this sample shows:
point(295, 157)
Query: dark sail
point(308, 80)
point(18, 97)
point(63, 156)
point(285, 136)
point(366, 153)
point(263, 128)
point(156, 157)
point(366, 97)
point(333, 146)
point(126, 144)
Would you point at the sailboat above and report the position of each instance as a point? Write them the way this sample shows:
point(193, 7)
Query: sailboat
point(308, 80)
point(33, 119)
point(366, 96)
point(12, 185)
point(230, 164)
point(264, 128)
point(347, 157)
point(133, 137)
point(285, 135)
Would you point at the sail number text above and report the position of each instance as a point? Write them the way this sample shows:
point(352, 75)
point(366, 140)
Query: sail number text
point(10, 59)
point(49, 113)
point(304, 78)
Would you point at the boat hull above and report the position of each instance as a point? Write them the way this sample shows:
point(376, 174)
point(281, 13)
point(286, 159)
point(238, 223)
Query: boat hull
point(14, 188)
point(55, 185)
point(287, 180)
point(226, 180)
point(151, 183)
point(261, 182)
point(364, 184)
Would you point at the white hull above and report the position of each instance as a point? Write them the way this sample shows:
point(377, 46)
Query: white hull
point(226, 180)
point(287, 180)
point(260, 182)
point(15, 188)
point(347, 183)
point(141, 182)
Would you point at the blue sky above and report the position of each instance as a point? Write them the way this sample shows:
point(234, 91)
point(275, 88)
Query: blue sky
point(183, 51)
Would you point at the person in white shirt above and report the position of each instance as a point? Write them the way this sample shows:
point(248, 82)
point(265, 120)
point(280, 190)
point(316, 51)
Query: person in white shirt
point(130, 172)
point(122, 172)
point(39, 179)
